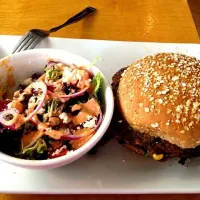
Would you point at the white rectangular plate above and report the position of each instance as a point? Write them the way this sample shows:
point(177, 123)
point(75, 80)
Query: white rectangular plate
point(114, 169)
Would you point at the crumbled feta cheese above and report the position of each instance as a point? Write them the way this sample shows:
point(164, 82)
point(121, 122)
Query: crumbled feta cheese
point(65, 120)
point(90, 123)
point(9, 105)
point(32, 99)
point(58, 151)
point(64, 117)
point(67, 75)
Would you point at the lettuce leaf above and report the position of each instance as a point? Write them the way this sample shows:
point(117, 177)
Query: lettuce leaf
point(53, 73)
point(39, 147)
point(97, 81)
point(93, 62)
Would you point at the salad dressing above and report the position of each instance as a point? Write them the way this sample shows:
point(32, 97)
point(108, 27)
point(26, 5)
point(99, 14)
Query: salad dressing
point(60, 107)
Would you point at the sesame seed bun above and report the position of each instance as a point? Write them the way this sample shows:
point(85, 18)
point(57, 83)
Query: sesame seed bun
point(160, 95)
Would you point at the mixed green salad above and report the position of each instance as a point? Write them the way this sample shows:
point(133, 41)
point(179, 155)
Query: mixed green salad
point(51, 114)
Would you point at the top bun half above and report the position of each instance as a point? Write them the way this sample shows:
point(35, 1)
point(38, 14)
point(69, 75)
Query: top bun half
point(160, 95)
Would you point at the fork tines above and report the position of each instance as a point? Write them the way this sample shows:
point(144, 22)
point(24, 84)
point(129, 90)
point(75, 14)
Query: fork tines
point(28, 41)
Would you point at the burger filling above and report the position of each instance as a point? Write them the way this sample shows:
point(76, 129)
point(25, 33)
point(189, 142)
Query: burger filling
point(143, 143)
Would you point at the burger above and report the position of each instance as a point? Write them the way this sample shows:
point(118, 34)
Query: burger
point(157, 106)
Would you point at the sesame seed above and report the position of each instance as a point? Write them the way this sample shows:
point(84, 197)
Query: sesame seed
point(191, 123)
point(184, 120)
point(140, 105)
point(165, 91)
point(151, 99)
point(182, 131)
point(186, 128)
point(178, 115)
point(196, 105)
point(175, 78)
point(154, 125)
point(179, 108)
point(160, 101)
point(169, 111)
point(197, 117)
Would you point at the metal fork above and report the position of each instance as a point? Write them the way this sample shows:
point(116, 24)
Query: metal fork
point(34, 36)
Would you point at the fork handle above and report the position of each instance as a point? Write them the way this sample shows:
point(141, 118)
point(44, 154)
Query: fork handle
point(87, 11)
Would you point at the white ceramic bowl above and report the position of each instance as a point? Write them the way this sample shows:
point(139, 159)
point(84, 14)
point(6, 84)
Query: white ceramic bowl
point(28, 62)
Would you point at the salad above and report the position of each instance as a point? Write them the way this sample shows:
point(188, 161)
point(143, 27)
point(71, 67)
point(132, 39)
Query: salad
point(51, 114)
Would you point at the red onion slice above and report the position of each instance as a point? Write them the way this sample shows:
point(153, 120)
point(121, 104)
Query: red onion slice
point(19, 119)
point(76, 137)
point(77, 94)
point(43, 87)
point(9, 123)
point(51, 63)
point(71, 137)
